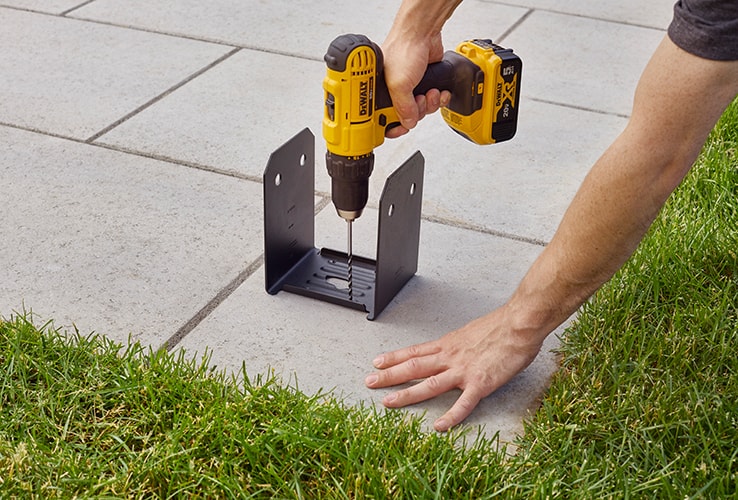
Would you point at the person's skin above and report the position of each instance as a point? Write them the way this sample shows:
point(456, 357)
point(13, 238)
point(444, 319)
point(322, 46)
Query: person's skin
point(414, 42)
point(678, 100)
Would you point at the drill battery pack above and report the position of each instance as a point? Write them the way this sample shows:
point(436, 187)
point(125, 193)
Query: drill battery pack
point(486, 110)
point(483, 78)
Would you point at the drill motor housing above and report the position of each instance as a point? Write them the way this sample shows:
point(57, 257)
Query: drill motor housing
point(484, 81)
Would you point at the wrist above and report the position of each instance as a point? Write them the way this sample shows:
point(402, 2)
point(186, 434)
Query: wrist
point(533, 313)
point(422, 19)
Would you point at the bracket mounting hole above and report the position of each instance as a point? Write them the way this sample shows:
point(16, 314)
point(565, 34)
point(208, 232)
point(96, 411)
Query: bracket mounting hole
point(339, 283)
point(303, 159)
point(391, 210)
point(412, 189)
point(278, 179)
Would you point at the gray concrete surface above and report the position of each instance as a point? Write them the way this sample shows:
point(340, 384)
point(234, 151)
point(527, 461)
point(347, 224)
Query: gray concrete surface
point(134, 135)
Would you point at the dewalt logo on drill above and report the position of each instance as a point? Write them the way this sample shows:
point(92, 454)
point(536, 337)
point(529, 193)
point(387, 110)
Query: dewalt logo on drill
point(364, 98)
point(362, 107)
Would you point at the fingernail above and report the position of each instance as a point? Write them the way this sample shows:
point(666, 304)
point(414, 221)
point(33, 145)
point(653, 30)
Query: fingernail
point(441, 425)
point(389, 398)
point(371, 380)
point(378, 361)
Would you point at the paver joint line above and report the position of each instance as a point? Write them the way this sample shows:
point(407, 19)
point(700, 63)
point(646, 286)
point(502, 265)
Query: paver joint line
point(161, 96)
point(64, 14)
point(512, 28)
point(212, 304)
point(580, 108)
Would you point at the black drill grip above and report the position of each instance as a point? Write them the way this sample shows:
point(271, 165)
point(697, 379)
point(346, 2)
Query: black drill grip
point(439, 75)
point(454, 73)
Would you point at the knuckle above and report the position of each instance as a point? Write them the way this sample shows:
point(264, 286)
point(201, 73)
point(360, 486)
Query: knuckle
point(413, 364)
point(433, 383)
point(414, 350)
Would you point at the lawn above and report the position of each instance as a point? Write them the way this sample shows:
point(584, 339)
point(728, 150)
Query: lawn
point(645, 404)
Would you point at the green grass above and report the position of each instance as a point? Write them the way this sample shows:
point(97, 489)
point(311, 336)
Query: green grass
point(645, 405)
point(83, 418)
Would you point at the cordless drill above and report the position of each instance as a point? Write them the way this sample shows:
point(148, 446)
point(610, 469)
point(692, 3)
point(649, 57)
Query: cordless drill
point(484, 81)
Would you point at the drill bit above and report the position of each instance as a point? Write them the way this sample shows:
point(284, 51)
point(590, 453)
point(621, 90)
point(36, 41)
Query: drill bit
point(350, 262)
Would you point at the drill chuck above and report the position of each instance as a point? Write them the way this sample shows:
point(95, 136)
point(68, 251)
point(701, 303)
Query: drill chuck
point(349, 183)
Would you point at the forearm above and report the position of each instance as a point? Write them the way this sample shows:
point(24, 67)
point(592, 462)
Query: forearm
point(422, 19)
point(603, 225)
point(626, 188)
point(678, 101)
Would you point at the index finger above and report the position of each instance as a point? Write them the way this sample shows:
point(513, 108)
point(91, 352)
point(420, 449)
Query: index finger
point(406, 107)
point(393, 358)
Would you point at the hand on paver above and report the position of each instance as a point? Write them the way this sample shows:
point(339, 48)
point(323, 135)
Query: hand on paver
point(614, 207)
point(678, 100)
point(478, 359)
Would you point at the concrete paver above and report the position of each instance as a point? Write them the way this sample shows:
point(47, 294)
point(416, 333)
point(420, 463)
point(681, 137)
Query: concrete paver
point(519, 187)
point(305, 27)
point(563, 58)
point(117, 243)
point(212, 121)
point(232, 117)
point(653, 14)
point(133, 139)
point(72, 78)
point(49, 6)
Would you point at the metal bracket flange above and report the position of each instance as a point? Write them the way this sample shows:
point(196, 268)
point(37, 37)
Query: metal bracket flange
point(292, 262)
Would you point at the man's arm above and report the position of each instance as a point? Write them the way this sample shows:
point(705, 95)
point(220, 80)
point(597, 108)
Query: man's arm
point(414, 42)
point(678, 101)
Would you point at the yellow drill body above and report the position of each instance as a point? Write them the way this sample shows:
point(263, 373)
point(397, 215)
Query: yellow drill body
point(484, 81)
point(349, 125)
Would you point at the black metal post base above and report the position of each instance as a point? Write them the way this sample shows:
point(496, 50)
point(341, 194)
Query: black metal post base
point(293, 263)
